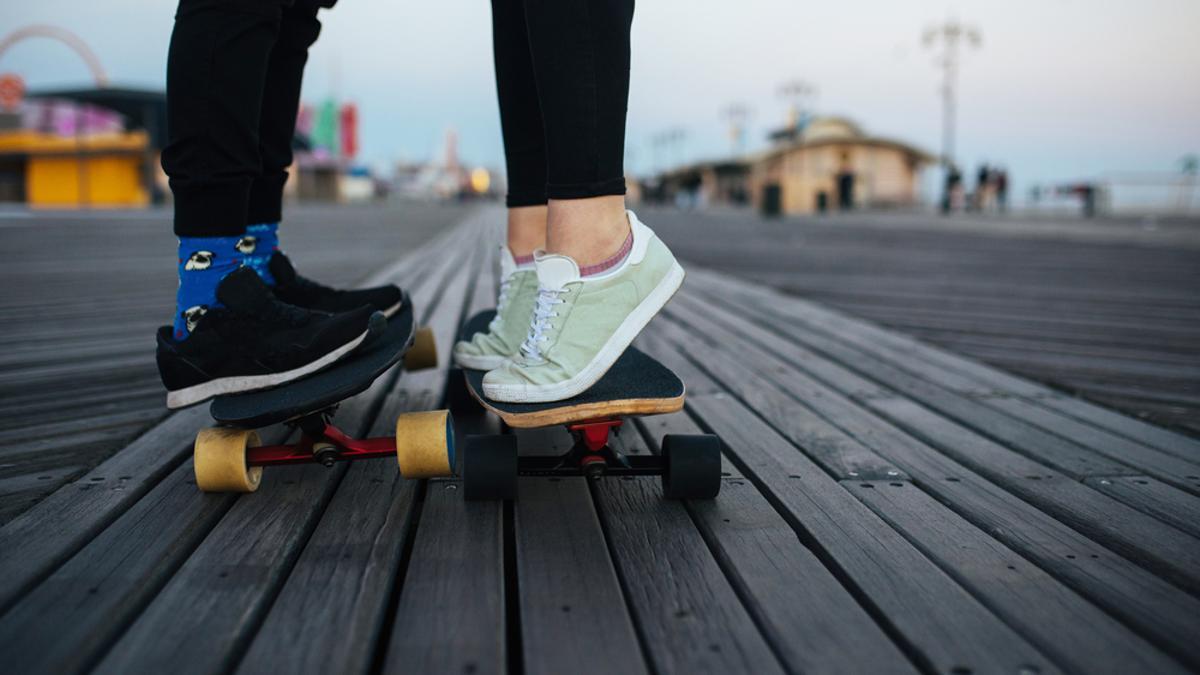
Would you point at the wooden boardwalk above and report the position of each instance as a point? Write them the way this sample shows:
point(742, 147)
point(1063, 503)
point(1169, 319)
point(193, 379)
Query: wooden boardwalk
point(80, 297)
point(1108, 309)
point(887, 507)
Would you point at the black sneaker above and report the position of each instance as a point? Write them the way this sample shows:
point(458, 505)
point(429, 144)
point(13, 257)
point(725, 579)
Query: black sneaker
point(255, 342)
point(301, 292)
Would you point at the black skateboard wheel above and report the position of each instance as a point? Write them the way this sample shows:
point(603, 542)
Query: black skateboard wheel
point(489, 469)
point(691, 466)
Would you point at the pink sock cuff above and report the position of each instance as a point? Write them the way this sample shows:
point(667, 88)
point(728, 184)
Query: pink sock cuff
point(611, 262)
point(522, 260)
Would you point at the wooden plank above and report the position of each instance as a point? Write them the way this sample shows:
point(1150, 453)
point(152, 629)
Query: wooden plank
point(939, 623)
point(126, 594)
point(1069, 629)
point(748, 376)
point(19, 493)
point(201, 619)
point(1073, 459)
point(812, 621)
point(347, 572)
point(1100, 441)
point(1145, 434)
point(46, 535)
point(573, 614)
point(1175, 507)
point(1141, 538)
point(451, 613)
point(687, 613)
point(1124, 589)
point(68, 621)
point(342, 580)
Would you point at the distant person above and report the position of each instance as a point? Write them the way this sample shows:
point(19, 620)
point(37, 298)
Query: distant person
point(982, 180)
point(244, 319)
point(1002, 189)
point(952, 189)
point(581, 275)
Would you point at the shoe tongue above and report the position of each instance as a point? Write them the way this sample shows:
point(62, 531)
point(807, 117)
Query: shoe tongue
point(243, 291)
point(555, 271)
point(281, 269)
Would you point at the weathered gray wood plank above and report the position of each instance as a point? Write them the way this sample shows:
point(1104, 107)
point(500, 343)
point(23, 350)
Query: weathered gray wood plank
point(941, 624)
point(1072, 631)
point(47, 534)
point(451, 613)
point(572, 610)
point(1124, 589)
point(202, 619)
point(1141, 538)
point(347, 572)
point(812, 621)
point(689, 616)
point(72, 617)
point(1174, 507)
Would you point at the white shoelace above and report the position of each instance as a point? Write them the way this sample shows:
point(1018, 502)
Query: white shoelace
point(547, 300)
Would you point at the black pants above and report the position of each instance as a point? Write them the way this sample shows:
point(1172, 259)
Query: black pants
point(562, 74)
point(233, 90)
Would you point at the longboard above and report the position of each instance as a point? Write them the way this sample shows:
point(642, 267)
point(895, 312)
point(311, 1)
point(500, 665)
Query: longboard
point(637, 384)
point(229, 457)
point(345, 378)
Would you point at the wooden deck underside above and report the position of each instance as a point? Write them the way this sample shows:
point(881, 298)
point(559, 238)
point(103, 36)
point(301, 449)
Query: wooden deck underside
point(887, 506)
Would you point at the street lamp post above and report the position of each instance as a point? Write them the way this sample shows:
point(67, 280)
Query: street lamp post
point(737, 115)
point(950, 36)
point(799, 95)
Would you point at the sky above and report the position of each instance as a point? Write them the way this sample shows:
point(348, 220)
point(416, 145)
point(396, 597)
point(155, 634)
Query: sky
point(1059, 89)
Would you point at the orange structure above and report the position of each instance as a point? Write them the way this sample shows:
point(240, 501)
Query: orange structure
point(97, 170)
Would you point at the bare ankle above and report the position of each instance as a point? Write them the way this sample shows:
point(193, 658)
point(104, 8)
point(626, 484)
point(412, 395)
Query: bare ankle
point(590, 231)
point(526, 229)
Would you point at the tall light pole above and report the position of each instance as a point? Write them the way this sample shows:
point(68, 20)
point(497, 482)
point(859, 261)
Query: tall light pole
point(799, 95)
point(950, 36)
point(737, 115)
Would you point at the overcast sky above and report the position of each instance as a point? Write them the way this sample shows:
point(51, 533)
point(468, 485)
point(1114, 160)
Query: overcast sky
point(1060, 89)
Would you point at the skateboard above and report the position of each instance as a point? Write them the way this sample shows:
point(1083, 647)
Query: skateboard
point(229, 457)
point(637, 384)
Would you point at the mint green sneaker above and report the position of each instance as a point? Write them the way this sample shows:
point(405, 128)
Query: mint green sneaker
point(581, 325)
point(518, 291)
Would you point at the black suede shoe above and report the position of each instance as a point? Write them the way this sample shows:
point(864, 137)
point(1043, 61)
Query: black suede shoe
point(255, 342)
point(301, 292)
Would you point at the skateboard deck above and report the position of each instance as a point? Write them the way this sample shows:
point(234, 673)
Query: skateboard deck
point(323, 389)
point(637, 384)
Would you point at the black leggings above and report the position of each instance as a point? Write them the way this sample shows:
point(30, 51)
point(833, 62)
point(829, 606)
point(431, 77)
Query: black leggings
point(562, 74)
point(233, 89)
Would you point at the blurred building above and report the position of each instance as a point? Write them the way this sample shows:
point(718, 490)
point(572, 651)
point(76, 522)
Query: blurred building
point(446, 177)
point(831, 163)
point(87, 147)
point(702, 183)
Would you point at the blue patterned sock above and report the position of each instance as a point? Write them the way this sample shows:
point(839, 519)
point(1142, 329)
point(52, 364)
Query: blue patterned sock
point(203, 263)
point(260, 242)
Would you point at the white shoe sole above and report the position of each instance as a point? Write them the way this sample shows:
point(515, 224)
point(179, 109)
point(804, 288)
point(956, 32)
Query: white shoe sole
point(479, 362)
point(181, 398)
point(604, 359)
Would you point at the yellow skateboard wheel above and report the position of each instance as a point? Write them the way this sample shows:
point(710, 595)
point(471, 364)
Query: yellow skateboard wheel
point(220, 460)
point(425, 444)
point(423, 354)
